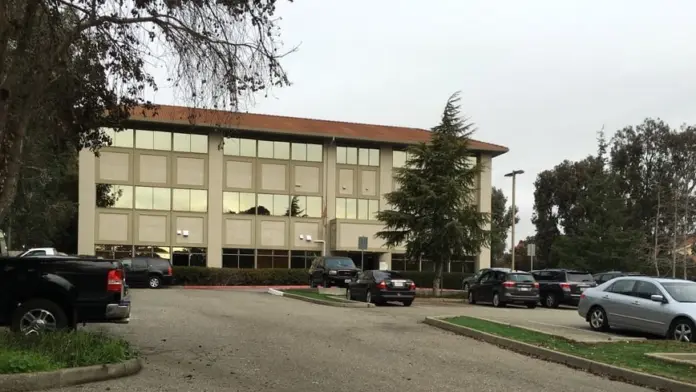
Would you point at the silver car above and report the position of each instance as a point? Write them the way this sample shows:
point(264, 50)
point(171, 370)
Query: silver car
point(665, 307)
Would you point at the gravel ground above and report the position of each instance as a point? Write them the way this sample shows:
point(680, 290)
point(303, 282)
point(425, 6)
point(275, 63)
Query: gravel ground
point(251, 341)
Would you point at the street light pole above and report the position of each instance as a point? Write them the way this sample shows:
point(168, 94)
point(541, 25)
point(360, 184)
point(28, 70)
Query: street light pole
point(513, 174)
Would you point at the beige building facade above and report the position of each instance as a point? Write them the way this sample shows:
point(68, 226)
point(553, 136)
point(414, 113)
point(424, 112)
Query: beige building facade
point(218, 189)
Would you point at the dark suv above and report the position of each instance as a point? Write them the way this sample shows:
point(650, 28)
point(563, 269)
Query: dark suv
point(332, 271)
point(562, 286)
point(607, 276)
point(148, 271)
point(505, 287)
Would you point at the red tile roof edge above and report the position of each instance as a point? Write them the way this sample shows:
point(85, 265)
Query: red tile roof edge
point(294, 125)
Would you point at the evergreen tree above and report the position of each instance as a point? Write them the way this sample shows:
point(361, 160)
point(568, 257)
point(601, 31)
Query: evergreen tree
point(434, 211)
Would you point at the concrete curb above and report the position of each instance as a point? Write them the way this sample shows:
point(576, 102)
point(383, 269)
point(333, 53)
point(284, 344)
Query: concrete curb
point(346, 304)
point(275, 292)
point(242, 287)
point(66, 377)
point(597, 368)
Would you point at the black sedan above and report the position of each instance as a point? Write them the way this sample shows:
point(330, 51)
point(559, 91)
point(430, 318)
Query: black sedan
point(380, 287)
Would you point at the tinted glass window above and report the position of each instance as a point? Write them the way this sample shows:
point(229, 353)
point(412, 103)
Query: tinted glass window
point(127, 263)
point(159, 263)
point(139, 263)
point(681, 291)
point(387, 275)
point(645, 290)
point(488, 276)
point(624, 287)
point(579, 277)
point(521, 278)
point(340, 263)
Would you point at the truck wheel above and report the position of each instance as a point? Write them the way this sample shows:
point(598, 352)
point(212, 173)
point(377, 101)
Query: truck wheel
point(551, 301)
point(155, 282)
point(39, 316)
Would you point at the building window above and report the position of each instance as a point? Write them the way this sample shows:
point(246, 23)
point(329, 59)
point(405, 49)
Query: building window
point(189, 257)
point(188, 142)
point(365, 209)
point(240, 147)
point(307, 152)
point(115, 252)
point(300, 259)
point(357, 156)
point(238, 258)
point(153, 251)
point(114, 196)
point(272, 259)
point(192, 200)
point(305, 206)
point(153, 140)
point(273, 150)
point(401, 263)
point(123, 138)
point(238, 203)
point(399, 158)
point(149, 198)
point(276, 205)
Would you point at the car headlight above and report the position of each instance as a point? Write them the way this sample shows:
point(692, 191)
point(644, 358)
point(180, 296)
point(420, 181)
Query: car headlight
point(332, 272)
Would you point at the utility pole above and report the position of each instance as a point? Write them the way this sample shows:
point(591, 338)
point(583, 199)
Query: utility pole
point(514, 175)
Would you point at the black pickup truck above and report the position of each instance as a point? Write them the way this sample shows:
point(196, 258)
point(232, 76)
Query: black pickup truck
point(562, 286)
point(51, 293)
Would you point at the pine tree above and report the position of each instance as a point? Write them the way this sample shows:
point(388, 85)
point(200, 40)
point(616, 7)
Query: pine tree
point(434, 211)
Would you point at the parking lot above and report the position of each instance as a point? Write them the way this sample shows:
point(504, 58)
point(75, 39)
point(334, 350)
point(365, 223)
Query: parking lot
point(213, 341)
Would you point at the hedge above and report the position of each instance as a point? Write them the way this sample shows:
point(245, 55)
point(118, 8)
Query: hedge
point(203, 276)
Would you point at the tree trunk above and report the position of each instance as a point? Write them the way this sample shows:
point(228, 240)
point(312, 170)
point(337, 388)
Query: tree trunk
point(657, 219)
point(437, 281)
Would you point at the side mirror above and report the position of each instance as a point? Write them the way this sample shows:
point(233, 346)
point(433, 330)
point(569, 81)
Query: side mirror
point(658, 298)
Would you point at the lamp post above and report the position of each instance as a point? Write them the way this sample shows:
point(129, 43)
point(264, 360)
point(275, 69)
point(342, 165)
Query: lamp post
point(513, 174)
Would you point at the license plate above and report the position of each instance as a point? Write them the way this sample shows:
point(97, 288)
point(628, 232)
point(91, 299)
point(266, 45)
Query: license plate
point(347, 280)
point(398, 284)
point(524, 288)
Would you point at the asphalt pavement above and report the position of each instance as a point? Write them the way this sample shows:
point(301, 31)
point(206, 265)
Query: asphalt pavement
point(202, 340)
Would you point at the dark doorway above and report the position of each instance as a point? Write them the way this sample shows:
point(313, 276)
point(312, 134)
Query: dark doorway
point(366, 261)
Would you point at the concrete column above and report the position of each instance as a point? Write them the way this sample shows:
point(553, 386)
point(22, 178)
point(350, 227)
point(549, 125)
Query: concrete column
point(385, 261)
point(215, 181)
point(386, 177)
point(483, 260)
point(87, 202)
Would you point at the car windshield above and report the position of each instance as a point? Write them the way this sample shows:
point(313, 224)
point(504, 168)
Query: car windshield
point(681, 291)
point(340, 263)
point(527, 278)
point(579, 277)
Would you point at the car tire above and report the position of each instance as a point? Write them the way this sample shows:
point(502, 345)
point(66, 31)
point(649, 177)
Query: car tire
point(465, 286)
point(407, 303)
point(472, 298)
point(682, 330)
point(598, 319)
point(154, 282)
point(497, 302)
point(54, 317)
point(532, 305)
point(551, 301)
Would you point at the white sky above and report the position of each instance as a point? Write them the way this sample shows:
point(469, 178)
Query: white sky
point(538, 76)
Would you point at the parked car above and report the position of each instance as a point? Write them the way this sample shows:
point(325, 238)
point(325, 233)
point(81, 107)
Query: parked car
point(664, 307)
point(380, 287)
point(609, 275)
point(466, 282)
point(33, 252)
point(332, 271)
point(562, 286)
point(501, 288)
point(40, 294)
point(152, 272)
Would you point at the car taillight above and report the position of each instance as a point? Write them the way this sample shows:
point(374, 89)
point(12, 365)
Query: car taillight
point(565, 286)
point(412, 286)
point(114, 281)
point(169, 271)
point(509, 283)
point(536, 285)
point(382, 285)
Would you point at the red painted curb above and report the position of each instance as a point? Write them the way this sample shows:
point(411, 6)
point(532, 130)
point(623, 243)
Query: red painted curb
point(242, 287)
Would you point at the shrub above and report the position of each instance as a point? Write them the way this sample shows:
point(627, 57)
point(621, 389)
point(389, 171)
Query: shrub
point(204, 276)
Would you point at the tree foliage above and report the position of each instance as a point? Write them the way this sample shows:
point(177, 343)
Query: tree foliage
point(434, 211)
point(623, 208)
point(76, 65)
point(501, 222)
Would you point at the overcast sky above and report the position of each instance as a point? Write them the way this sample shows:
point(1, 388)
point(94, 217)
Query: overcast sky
point(538, 76)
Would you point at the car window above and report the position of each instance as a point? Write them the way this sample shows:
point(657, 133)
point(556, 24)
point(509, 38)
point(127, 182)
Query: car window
point(140, 263)
point(644, 290)
point(500, 276)
point(527, 278)
point(387, 275)
point(36, 253)
point(607, 277)
point(624, 287)
point(681, 291)
point(488, 276)
point(543, 275)
point(479, 273)
point(315, 262)
point(159, 263)
point(127, 263)
point(340, 263)
point(579, 277)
